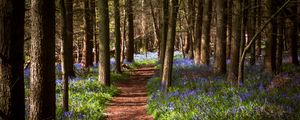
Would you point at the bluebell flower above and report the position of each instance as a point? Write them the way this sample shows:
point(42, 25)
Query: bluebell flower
point(171, 106)
point(58, 81)
point(27, 73)
point(68, 114)
point(78, 65)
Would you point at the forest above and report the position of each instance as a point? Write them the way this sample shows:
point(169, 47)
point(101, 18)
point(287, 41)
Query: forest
point(149, 59)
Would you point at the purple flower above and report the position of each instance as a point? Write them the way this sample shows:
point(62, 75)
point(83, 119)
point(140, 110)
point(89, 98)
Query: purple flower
point(68, 114)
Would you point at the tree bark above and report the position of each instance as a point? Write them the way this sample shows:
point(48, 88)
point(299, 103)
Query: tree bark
point(205, 47)
point(220, 61)
point(251, 29)
point(12, 100)
point(191, 26)
point(229, 29)
point(130, 48)
point(198, 33)
point(235, 43)
point(118, 36)
point(292, 33)
point(270, 64)
point(104, 66)
point(42, 70)
point(168, 60)
point(87, 55)
point(164, 32)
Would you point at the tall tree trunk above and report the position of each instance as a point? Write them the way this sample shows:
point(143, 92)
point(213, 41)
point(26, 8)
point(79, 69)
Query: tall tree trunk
point(251, 29)
point(96, 43)
point(229, 29)
point(130, 48)
point(244, 25)
point(87, 55)
point(191, 26)
point(198, 33)
point(42, 70)
point(118, 36)
point(205, 47)
point(155, 23)
point(258, 41)
point(235, 43)
point(123, 42)
point(12, 100)
point(104, 66)
point(280, 40)
point(67, 48)
point(292, 36)
point(164, 31)
point(270, 64)
point(220, 61)
point(168, 60)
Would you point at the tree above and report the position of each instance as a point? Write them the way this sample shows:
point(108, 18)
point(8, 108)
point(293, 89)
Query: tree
point(12, 100)
point(220, 61)
point(198, 33)
point(87, 55)
point(229, 28)
point(270, 57)
point(251, 27)
point(235, 43)
point(168, 60)
point(292, 34)
point(104, 66)
point(164, 32)
point(130, 45)
point(96, 43)
point(205, 40)
point(118, 36)
point(42, 69)
point(191, 24)
point(66, 48)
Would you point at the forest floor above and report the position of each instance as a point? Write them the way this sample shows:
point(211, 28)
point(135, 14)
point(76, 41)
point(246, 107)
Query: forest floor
point(131, 102)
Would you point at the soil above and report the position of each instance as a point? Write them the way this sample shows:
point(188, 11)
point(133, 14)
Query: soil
point(131, 102)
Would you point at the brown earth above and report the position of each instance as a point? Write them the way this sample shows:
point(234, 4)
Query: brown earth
point(131, 102)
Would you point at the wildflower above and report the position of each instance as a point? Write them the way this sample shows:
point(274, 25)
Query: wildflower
point(68, 114)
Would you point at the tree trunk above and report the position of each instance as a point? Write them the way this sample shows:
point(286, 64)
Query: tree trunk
point(168, 61)
point(205, 47)
point(42, 70)
point(292, 33)
point(270, 64)
point(12, 100)
point(220, 61)
point(191, 24)
point(229, 29)
point(130, 48)
point(235, 43)
point(198, 33)
point(104, 66)
point(258, 41)
point(118, 36)
point(87, 55)
point(251, 29)
point(164, 32)
point(96, 43)
point(67, 48)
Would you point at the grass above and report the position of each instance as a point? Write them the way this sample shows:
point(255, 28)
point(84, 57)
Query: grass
point(196, 93)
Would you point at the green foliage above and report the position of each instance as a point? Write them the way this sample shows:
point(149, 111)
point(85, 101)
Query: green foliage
point(87, 100)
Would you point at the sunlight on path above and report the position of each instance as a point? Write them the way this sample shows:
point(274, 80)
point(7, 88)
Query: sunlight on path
point(131, 102)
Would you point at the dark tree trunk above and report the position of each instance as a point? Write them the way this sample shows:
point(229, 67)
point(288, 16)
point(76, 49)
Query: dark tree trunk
point(280, 40)
point(229, 29)
point(220, 61)
point(198, 32)
point(87, 55)
point(235, 43)
point(168, 60)
point(104, 66)
point(67, 48)
point(251, 26)
point(130, 48)
point(205, 47)
point(191, 24)
point(42, 70)
point(292, 36)
point(118, 36)
point(258, 41)
point(12, 100)
point(270, 57)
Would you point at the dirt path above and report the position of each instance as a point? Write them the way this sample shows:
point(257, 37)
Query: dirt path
point(131, 102)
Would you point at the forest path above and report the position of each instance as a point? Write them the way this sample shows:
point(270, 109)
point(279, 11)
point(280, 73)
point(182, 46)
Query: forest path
point(131, 102)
